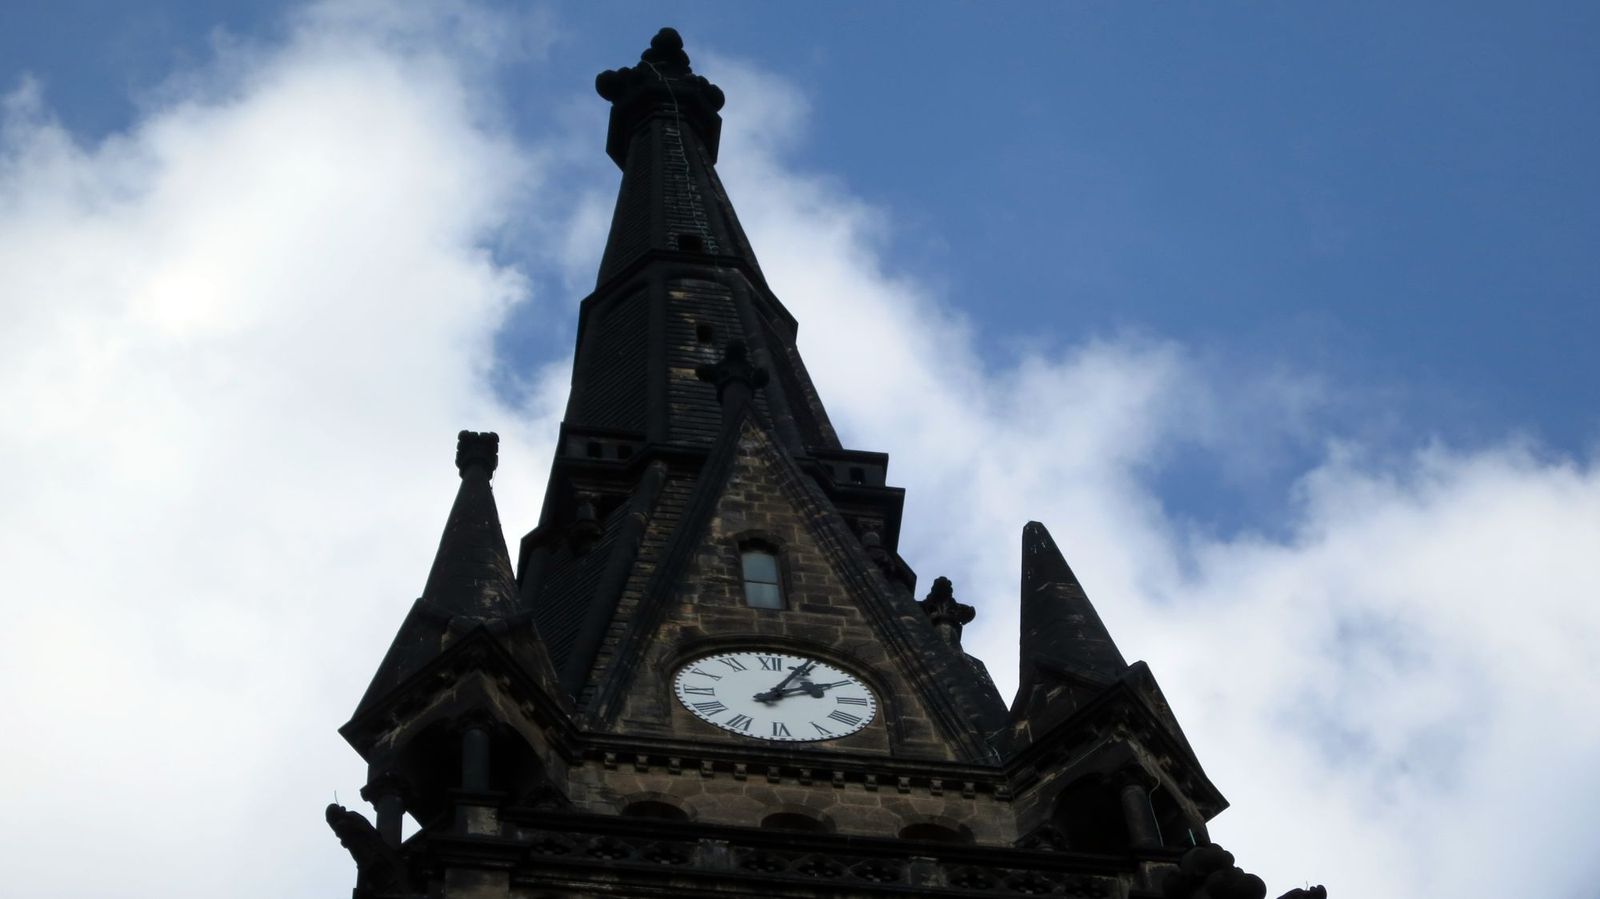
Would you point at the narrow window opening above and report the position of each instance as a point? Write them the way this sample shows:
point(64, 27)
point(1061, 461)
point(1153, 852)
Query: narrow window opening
point(857, 476)
point(624, 451)
point(593, 449)
point(691, 243)
point(704, 332)
point(761, 587)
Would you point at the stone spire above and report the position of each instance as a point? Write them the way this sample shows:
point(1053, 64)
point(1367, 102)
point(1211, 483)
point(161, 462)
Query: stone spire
point(664, 133)
point(1061, 631)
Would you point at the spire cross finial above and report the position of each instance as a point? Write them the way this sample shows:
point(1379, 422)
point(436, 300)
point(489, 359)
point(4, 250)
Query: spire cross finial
point(734, 370)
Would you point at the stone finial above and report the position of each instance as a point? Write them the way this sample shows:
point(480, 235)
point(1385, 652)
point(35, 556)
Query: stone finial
point(666, 49)
point(945, 612)
point(662, 64)
point(736, 371)
point(477, 450)
point(661, 82)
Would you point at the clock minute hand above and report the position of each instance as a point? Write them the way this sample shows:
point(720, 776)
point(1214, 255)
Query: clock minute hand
point(816, 689)
point(779, 691)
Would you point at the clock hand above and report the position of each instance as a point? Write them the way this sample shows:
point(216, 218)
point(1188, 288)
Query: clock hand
point(804, 687)
point(779, 691)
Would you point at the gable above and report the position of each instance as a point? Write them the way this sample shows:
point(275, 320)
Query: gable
point(837, 608)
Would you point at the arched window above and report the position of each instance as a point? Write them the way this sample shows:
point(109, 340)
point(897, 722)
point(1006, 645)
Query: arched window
point(935, 833)
point(651, 808)
point(762, 588)
point(793, 821)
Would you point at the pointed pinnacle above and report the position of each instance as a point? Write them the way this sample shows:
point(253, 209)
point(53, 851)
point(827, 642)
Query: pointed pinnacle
point(471, 572)
point(1060, 627)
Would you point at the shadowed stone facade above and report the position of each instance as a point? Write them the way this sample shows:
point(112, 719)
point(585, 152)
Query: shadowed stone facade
point(536, 719)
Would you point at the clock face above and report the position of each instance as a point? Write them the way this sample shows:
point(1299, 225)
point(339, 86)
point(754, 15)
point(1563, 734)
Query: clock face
point(774, 695)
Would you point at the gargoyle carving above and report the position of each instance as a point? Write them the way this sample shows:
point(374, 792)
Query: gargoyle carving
point(1208, 872)
point(380, 871)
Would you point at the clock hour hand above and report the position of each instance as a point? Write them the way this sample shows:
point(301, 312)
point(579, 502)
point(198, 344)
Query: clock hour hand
point(804, 687)
point(779, 691)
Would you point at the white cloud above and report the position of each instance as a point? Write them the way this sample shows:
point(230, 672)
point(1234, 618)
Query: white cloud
point(235, 342)
point(1395, 689)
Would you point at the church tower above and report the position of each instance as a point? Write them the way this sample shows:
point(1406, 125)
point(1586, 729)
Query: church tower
point(710, 672)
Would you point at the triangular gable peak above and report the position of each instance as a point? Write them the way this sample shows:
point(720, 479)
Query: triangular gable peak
point(838, 604)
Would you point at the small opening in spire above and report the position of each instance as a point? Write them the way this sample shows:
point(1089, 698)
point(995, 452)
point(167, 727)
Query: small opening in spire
point(691, 243)
point(704, 333)
point(594, 450)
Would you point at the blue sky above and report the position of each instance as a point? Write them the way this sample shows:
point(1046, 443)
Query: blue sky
point(1399, 197)
point(1279, 315)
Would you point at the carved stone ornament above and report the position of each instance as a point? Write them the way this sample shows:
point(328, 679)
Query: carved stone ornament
point(379, 869)
point(734, 368)
point(946, 614)
point(1208, 872)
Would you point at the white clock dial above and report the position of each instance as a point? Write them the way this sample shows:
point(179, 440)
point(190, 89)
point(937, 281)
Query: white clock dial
point(773, 695)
